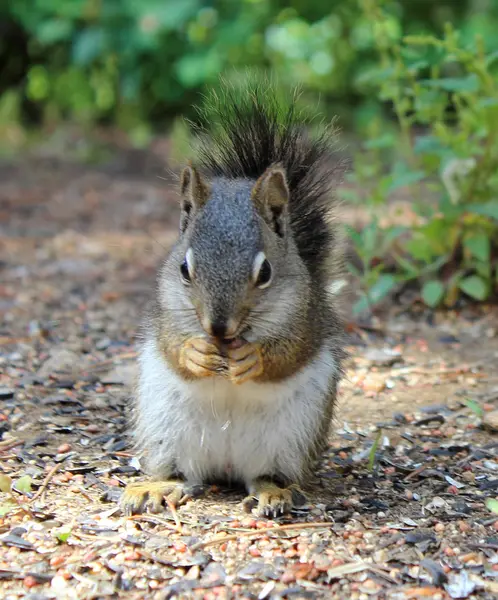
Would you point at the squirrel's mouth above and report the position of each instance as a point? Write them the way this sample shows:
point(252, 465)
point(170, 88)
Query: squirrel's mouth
point(236, 340)
point(233, 342)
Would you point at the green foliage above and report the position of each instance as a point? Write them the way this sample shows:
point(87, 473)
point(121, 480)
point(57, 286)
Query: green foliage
point(137, 65)
point(492, 505)
point(63, 533)
point(134, 63)
point(21, 485)
point(373, 451)
point(442, 153)
point(474, 406)
point(432, 292)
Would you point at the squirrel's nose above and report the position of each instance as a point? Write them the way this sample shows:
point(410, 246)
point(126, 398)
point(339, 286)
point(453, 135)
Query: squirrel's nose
point(219, 329)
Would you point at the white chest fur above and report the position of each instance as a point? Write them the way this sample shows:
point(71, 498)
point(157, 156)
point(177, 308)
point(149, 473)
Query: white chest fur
point(212, 428)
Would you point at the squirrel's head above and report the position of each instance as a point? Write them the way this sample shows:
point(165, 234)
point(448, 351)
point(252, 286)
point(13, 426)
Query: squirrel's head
point(235, 270)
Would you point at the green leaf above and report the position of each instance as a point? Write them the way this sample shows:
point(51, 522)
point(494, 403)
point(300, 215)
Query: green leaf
point(474, 287)
point(393, 233)
point(382, 287)
point(429, 144)
point(196, 69)
point(435, 265)
point(374, 76)
point(491, 58)
point(487, 102)
point(479, 246)
point(418, 66)
point(52, 31)
point(373, 450)
point(361, 305)
point(88, 45)
point(411, 270)
point(354, 270)
point(5, 483)
point(63, 534)
point(419, 248)
point(353, 234)
point(369, 238)
point(6, 507)
point(474, 406)
point(349, 195)
point(384, 141)
point(492, 505)
point(377, 292)
point(455, 84)
point(23, 484)
point(403, 176)
point(490, 209)
point(432, 293)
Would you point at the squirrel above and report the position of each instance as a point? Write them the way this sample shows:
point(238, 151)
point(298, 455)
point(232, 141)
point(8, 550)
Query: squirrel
point(243, 344)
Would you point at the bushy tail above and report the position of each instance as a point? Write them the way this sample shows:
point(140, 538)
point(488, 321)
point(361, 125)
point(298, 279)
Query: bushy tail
point(243, 131)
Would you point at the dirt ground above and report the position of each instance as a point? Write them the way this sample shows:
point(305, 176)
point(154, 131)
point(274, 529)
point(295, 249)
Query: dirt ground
point(405, 504)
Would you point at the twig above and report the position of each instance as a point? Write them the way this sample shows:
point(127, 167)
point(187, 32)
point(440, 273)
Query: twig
point(413, 474)
point(4, 340)
point(277, 529)
point(153, 557)
point(440, 371)
point(46, 481)
point(9, 444)
point(108, 362)
point(103, 364)
point(153, 519)
point(20, 506)
point(92, 538)
point(84, 493)
point(174, 514)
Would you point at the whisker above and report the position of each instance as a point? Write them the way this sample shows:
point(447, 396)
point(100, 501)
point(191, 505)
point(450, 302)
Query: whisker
point(156, 241)
point(271, 325)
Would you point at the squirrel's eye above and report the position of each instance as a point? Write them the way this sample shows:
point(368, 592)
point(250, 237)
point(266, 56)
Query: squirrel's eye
point(185, 272)
point(187, 267)
point(264, 276)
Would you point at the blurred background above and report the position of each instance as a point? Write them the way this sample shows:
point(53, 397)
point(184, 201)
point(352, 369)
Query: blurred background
point(137, 65)
point(413, 83)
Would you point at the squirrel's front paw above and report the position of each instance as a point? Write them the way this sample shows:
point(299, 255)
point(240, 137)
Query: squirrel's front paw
point(244, 363)
point(149, 496)
point(201, 358)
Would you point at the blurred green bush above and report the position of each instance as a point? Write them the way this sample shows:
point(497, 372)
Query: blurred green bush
point(137, 62)
point(441, 154)
point(417, 79)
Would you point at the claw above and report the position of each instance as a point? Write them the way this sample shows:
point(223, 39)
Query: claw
point(149, 496)
point(201, 358)
point(244, 363)
point(272, 501)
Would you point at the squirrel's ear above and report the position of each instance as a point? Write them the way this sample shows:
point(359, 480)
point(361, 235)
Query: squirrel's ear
point(195, 192)
point(271, 196)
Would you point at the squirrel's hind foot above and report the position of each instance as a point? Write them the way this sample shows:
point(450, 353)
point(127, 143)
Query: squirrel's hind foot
point(150, 496)
point(272, 500)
